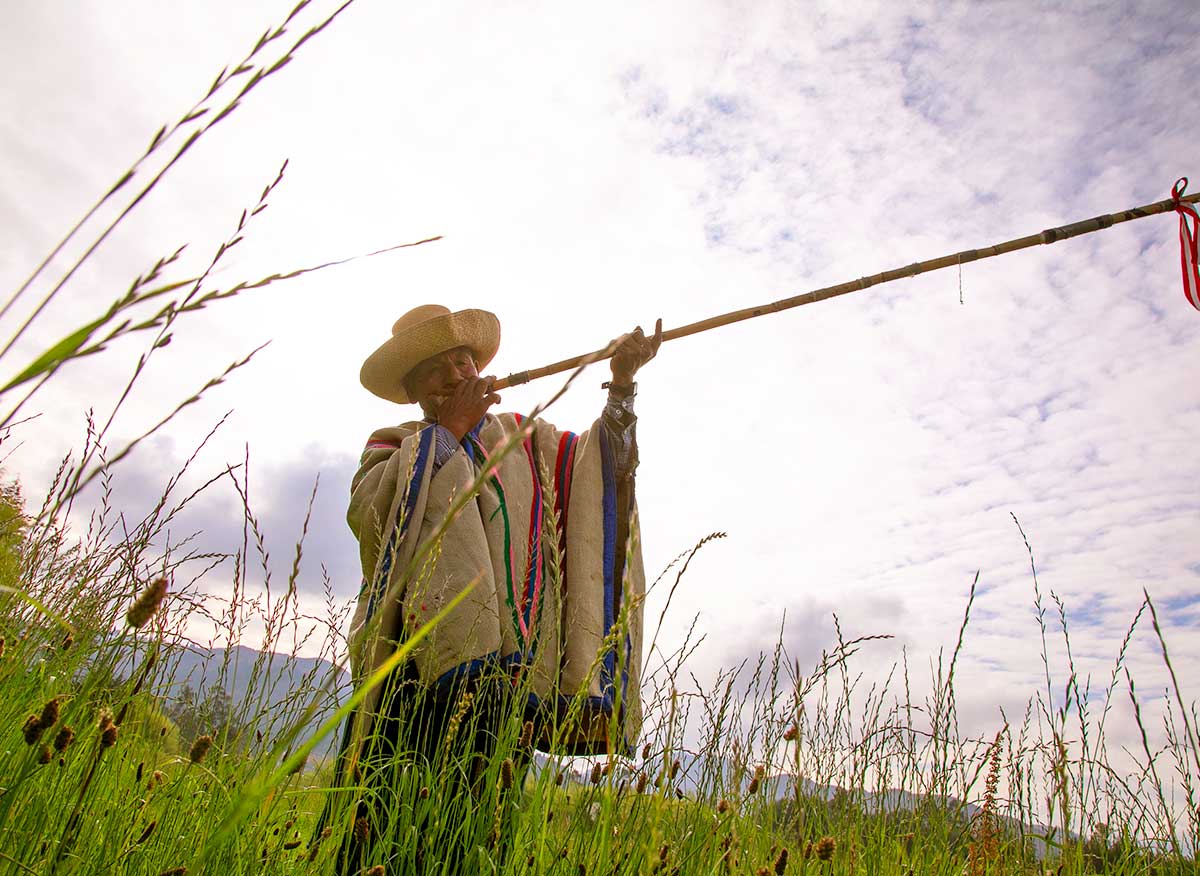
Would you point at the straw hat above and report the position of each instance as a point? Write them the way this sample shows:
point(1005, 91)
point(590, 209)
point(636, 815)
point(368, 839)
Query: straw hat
point(423, 332)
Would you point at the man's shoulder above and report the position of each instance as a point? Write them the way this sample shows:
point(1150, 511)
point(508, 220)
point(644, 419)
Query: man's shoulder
point(391, 437)
point(494, 426)
point(510, 422)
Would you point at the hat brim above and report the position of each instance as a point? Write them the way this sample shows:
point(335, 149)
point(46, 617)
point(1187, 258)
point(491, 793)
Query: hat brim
point(384, 370)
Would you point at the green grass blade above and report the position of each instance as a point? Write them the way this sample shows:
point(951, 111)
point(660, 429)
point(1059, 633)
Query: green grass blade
point(60, 352)
point(252, 797)
point(25, 597)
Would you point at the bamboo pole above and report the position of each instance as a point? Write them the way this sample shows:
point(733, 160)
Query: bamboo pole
point(1050, 235)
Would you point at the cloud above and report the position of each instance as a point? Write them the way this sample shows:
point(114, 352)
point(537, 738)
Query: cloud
point(292, 503)
point(1046, 397)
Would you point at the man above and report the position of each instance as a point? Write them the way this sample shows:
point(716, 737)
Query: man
point(537, 525)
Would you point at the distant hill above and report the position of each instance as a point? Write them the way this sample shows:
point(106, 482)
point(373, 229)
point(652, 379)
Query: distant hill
point(698, 775)
point(265, 693)
point(279, 676)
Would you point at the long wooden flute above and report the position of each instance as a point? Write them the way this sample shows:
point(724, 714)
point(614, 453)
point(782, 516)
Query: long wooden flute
point(1050, 235)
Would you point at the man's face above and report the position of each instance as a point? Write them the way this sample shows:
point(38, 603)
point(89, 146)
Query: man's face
point(432, 381)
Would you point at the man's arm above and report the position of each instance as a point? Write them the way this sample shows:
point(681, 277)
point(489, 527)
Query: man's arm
point(621, 424)
point(634, 351)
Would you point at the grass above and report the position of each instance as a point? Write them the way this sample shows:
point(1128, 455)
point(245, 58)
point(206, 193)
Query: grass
point(106, 767)
point(768, 769)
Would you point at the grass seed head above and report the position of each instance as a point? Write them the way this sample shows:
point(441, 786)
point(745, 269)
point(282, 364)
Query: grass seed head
point(460, 712)
point(642, 781)
point(423, 794)
point(722, 806)
point(291, 844)
point(362, 830)
point(597, 772)
point(791, 733)
point(646, 751)
point(45, 754)
point(146, 833)
point(756, 782)
point(64, 738)
point(146, 604)
point(1, 646)
point(377, 870)
point(506, 774)
point(781, 861)
point(108, 736)
point(825, 848)
point(49, 715)
point(68, 641)
point(526, 740)
point(174, 871)
point(200, 748)
point(316, 845)
point(675, 767)
point(32, 729)
point(663, 852)
point(108, 730)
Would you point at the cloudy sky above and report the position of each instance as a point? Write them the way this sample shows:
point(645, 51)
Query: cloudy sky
point(595, 168)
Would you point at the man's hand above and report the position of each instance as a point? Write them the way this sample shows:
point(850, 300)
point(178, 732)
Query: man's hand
point(634, 351)
point(466, 405)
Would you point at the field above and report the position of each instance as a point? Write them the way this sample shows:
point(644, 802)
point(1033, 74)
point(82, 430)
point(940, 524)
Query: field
point(110, 766)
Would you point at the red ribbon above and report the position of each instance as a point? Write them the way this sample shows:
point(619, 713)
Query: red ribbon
point(1188, 257)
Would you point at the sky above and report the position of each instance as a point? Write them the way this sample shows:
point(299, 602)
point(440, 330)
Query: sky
point(592, 169)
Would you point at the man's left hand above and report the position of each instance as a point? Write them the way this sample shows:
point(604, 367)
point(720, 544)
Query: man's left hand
point(633, 351)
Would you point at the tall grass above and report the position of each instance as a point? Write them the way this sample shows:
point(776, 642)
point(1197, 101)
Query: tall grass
point(771, 767)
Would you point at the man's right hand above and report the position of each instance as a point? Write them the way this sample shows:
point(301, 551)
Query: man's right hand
point(466, 405)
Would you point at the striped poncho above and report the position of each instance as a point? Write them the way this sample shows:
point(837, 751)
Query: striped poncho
point(546, 597)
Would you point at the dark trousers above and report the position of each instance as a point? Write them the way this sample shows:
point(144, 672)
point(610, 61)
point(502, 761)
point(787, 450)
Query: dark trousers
point(429, 780)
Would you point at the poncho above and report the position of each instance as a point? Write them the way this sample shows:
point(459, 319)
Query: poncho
point(556, 598)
